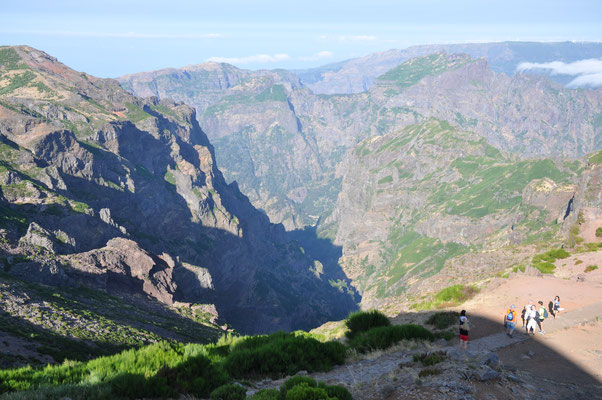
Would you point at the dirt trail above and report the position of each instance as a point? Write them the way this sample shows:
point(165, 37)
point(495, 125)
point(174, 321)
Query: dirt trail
point(368, 370)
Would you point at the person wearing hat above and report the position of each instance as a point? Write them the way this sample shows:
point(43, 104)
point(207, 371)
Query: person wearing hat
point(510, 320)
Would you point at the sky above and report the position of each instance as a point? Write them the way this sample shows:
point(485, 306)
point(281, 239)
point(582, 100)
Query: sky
point(111, 38)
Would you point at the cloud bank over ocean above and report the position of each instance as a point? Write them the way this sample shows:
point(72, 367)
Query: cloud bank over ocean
point(588, 73)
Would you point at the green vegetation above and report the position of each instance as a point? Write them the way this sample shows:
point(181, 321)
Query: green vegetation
point(386, 336)
point(306, 388)
point(449, 297)
point(596, 158)
point(599, 231)
point(17, 81)
point(169, 178)
point(545, 262)
point(273, 93)
point(591, 268)
point(386, 179)
point(165, 369)
point(544, 267)
point(362, 321)
point(443, 319)
point(412, 71)
point(9, 59)
point(135, 113)
point(229, 391)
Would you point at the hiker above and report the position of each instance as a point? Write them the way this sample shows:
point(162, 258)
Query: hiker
point(464, 328)
point(510, 320)
point(556, 306)
point(531, 316)
point(542, 314)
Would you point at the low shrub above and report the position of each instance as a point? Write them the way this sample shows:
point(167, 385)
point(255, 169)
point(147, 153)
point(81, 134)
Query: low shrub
point(551, 256)
point(364, 320)
point(599, 232)
point(443, 319)
point(282, 354)
point(266, 394)
point(544, 267)
point(230, 391)
point(336, 391)
point(386, 336)
point(455, 294)
point(295, 381)
point(447, 335)
point(197, 375)
point(591, 268)
point(305, 392)
point(429, 359)
point(577, 262)
point(289, 390)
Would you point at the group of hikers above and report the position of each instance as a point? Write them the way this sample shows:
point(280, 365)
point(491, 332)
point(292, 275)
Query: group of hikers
point(533, 317)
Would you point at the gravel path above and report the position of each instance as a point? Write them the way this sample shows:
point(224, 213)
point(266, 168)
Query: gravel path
point(368, 370)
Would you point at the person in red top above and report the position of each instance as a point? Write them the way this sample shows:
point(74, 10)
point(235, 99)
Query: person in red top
point(510, 320)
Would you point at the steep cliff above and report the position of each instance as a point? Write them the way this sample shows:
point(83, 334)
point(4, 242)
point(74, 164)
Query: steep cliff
point(126, 194)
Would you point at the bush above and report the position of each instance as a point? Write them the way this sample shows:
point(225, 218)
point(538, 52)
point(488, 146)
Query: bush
point(229, 392)
point(364, 320)
point(133, 386)
point(386, 336)
point(197, 375)
point(545, 267)
point(429, 359)
point(336, 391)
point(551, 256)
point(447, 335)
point(591, 268)
point(282, 354)
point(295, 381)
point(444, 319)
point(266, 394)
point(599, 232)
point(305, 392)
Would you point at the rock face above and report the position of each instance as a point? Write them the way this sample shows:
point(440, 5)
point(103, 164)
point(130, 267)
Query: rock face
point(285, 146)
point(127, 193)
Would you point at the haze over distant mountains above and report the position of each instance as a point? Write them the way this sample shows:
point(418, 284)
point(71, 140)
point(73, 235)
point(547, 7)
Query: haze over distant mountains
point(356, 75)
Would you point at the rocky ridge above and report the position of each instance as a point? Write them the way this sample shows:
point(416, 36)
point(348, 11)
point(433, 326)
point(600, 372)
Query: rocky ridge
point(119, 193)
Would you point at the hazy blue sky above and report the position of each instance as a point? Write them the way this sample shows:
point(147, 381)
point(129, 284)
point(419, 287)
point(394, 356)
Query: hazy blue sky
point(109, 38)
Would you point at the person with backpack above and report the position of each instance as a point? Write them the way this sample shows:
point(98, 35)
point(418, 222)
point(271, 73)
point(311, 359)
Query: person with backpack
point(542, 314)
point(464, 329)
point(510, 320)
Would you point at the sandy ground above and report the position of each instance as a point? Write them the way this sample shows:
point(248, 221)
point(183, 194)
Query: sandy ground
point(571, 355)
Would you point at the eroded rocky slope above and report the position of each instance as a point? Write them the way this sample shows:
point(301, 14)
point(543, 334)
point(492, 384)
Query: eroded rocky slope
point(108, 190)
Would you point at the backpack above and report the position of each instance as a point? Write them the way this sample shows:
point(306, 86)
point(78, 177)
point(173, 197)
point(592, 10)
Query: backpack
point(510, 316)
point(545, 313)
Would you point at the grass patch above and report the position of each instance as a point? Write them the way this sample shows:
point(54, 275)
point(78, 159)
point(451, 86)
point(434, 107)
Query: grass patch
point(429, 359)
point(591, 268)
point(443, 319)
point(544, 267)
point(363, 321)
point(386, 336)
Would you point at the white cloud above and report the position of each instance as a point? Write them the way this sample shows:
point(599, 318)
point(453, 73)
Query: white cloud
point(588, 80)
point(257, 58)
point(321, 55)
point(588, 72)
